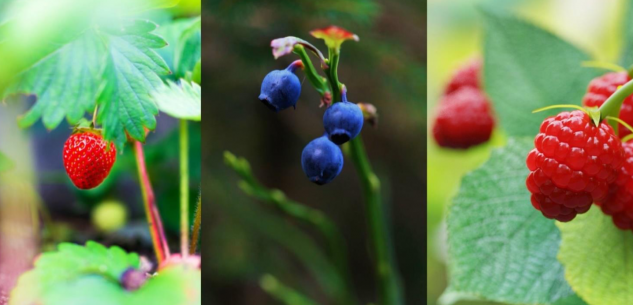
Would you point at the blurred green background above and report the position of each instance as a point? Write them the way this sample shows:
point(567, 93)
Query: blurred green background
point(454, 37)
point(245, 239)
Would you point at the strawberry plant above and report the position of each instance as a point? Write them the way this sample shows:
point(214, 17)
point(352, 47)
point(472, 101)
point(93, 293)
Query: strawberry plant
point(546, 220)
point(107, 69)
point(322, 160)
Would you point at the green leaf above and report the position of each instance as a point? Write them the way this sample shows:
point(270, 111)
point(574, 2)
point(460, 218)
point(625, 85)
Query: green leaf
point(597, 256)
point(188, 49)
point(526, 68)
point(63, 87)
point(180, 100)
point(91, 274)
point(197, 73)
point(627, 30)
point(132, 73)
point(500, 247)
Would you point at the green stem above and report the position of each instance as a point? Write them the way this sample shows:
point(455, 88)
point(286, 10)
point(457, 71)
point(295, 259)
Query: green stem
point(318, 81)
point(612, 105)
point(387, 276)
point(197, 224)
point(336, 245)
point(184, 189)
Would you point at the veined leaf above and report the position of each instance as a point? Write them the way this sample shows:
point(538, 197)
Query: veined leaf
point(132, 73)
point(188, 49)
point(526, 68)
point(597, 256)
point(180, 100)
point(500, 247)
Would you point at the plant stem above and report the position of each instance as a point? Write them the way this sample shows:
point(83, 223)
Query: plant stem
point(184, 189)
point(387, 277)
point(197, 224)
point(318, 81)
point(612, 105)
point(151, 211)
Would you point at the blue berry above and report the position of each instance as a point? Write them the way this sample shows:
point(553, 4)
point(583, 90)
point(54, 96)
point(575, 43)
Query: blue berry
point(321, 160)
point(343, 121)
point(281, 89)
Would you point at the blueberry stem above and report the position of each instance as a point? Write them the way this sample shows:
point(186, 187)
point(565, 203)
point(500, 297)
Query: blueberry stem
point(313, 217)
point(612, 105)
point(184, 189)
point(387, 276)
point(151, 211)
point(318, 81)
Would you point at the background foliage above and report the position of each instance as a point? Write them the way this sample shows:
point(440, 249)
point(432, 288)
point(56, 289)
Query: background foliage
point(246, 239)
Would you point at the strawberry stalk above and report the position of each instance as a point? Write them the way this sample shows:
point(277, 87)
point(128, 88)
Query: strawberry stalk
point(151, 211)
point(184, 189)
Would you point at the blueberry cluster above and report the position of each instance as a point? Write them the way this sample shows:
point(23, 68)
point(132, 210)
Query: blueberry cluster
point(321, 159)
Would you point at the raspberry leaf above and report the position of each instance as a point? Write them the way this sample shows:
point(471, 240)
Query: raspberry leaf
point(501, 248)
point(627, 30)
point(180, 100)
point(597, 256)
point(526, 68)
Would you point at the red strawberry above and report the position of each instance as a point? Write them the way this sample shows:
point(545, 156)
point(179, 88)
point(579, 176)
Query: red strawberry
point(619, 203)
point(464, 119)
point(572, 164)
point(602, 87)
point(466, 76)
point(87, 159)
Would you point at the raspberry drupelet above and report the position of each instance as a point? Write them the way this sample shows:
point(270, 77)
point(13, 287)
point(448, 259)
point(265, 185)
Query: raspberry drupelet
point(619, 203)
point(572, 164)
point(599, 90)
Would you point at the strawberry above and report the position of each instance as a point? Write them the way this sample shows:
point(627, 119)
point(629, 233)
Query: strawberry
point(87, 158)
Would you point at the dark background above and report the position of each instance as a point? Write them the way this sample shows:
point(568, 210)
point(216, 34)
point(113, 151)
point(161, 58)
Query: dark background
point(387, 68)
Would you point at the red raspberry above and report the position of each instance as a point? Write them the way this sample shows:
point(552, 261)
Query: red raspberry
point(86, 159)
point(466, 76)
point(464, 119)
point(619, 203)
point(602, 87)
point(572, 164)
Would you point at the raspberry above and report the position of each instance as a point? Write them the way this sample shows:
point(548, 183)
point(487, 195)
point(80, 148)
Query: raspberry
point(466, 76)
point(86, 159)
point(464, 119)
point(619, 203)
point(572, 164)
point(602, 87)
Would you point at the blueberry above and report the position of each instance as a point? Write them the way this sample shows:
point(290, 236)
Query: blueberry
point(343, 121)
point(321, 160)
point(280, 89)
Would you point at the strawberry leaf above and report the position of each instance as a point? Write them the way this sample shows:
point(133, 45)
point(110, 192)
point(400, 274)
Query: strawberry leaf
point(180, 100)
point(500, 247)
point(92, 274)
point(334, 36)
point(132, 73)
point(63, 88)
point(188, 48)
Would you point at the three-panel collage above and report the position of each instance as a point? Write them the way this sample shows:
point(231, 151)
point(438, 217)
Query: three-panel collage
point(332, 152)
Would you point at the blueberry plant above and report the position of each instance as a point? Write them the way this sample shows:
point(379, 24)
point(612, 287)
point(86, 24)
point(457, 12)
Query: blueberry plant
point(107, 69)
point(547, 219)
point(322, 160)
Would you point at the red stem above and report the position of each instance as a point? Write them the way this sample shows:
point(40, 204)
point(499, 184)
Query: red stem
point(151, 211)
